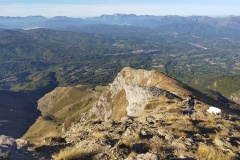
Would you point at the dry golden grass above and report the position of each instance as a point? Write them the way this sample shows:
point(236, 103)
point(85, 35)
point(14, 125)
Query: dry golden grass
point(201, 106)
point(155, 144)
point(76, 152)
point(122, 103)
point(222, 134)
point(184, 123)
point(237, 134)
point(170, 108)
point(41, 130)
point(211, 153)
point(227, 123)
point(210, 120)
point(212, 136)
point(132, 155)
point(179, 133)
point(149, 106)
point(172, 118)
point(98, 135)
point(186, 119)
point(68, 122)
point(62, 103)
point(237, 121)
point(131, 139)
point(75, 106)
point(154, 103)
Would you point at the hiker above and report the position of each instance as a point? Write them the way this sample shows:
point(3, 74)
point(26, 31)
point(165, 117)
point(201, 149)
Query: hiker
point(191, 102)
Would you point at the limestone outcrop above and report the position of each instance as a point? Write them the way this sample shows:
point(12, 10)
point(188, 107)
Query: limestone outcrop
point(140, 115)
point(132, 90)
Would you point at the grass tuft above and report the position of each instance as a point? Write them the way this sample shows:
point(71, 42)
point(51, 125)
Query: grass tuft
point(98, 135)
point(131, 140)
point(211, 153)
point(74, 152)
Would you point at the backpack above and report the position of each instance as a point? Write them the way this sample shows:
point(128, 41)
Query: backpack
point(191, 102)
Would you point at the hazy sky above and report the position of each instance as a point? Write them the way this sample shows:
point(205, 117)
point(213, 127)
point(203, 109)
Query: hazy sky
point(90, 8)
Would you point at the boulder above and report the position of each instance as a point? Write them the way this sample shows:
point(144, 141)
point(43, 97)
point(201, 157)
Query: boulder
point(7, 144)
point(148, 156)
point(8, 149)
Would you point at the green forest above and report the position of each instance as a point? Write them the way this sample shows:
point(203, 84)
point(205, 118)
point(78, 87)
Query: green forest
point(39, 59)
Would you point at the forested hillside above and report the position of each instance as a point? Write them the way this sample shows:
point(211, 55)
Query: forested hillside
point(196, 50)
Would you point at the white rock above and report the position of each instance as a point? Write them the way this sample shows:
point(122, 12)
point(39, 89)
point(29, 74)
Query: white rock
point(214, 110)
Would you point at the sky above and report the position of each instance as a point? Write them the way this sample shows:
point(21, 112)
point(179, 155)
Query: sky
point(92, 8)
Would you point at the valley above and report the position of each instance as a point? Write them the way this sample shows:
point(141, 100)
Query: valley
point(61, 75)
point(17, 111)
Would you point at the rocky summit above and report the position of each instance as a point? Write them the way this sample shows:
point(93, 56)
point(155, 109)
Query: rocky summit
point(140, 115)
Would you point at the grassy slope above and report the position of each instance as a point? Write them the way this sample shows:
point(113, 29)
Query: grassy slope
point(62, 105)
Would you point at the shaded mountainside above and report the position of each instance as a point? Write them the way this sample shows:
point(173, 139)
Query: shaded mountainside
point(17, 112)
point(18, 109)
point(228, 86)
point(141, 114)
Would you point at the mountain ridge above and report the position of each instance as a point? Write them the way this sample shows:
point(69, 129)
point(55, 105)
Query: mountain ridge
point(132, 89)
point(140, 115)
point(61, 22)
point(138, 108)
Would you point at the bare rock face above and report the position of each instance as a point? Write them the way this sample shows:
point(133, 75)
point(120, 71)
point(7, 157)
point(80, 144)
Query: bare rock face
point(138, 86)
point(132, 90)
point(137, 98)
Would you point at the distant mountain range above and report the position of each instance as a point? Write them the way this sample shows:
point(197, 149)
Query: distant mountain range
point(38, 54)
point(61, 22)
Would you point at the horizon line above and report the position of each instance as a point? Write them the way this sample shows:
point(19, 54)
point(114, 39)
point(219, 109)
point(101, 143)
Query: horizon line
point(213, 16)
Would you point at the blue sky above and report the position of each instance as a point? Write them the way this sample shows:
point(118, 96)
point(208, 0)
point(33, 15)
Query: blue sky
point(91, 8)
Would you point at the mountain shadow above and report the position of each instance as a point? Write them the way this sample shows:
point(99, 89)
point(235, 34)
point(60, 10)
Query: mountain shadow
point(18, 109)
